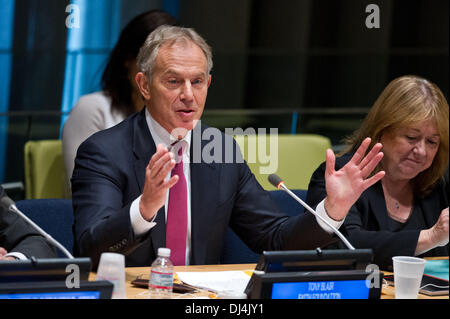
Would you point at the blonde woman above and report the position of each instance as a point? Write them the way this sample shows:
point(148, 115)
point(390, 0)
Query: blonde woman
point(406, 213)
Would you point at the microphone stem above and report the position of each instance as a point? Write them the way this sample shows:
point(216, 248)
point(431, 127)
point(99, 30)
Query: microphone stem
point(346, 242)
point(42, 232)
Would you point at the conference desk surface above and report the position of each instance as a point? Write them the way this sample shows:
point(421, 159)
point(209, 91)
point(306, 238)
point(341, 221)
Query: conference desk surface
point(134, 292)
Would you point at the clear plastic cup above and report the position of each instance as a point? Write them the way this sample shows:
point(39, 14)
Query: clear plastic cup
point(112, 268)
point(408, 273)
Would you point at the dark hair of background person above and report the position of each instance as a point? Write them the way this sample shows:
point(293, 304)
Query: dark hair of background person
point(115, 82)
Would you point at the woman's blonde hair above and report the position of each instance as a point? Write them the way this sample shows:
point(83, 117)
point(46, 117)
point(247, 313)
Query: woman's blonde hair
point(406, 101)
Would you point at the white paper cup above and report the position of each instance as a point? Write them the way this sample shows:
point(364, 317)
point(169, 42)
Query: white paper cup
point(408, 272)
point(112, 268)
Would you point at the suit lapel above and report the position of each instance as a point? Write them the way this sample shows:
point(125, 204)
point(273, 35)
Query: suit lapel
point(143, 148)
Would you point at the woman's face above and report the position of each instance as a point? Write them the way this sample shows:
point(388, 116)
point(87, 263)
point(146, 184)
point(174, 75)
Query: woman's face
point(409, 150)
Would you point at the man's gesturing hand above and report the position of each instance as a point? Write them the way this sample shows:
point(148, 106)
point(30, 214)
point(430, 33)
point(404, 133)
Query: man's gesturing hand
point(3, 252)
point(155, 188)
point(346, 185)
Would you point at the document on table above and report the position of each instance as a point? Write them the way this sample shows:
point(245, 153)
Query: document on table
point(217, 281)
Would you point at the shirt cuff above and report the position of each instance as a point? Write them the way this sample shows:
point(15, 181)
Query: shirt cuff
point(139, 224)
point(17, 255)
point(320, 210)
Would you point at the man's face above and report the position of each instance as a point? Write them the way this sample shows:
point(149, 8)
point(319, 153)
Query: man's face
point(177, 94)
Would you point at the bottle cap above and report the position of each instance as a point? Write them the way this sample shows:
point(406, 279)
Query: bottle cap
point(164, 252)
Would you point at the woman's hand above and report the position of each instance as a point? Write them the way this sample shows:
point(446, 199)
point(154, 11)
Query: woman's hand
point(435, 236)
point(346, 185)
point(439, 232)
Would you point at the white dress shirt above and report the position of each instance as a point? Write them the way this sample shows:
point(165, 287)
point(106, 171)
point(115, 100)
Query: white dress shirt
point(161, 136)
point(16, 255)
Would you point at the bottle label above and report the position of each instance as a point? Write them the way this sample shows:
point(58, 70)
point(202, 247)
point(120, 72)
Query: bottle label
point(161, 280)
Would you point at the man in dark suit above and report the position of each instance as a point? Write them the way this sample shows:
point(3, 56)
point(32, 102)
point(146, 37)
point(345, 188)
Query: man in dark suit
point(18, 240)
point(125, 197)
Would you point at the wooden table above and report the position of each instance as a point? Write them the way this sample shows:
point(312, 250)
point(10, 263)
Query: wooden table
point(134, 292)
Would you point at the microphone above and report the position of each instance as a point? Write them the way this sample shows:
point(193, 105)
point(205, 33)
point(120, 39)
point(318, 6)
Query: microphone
point(276, 181)
point(9, 204)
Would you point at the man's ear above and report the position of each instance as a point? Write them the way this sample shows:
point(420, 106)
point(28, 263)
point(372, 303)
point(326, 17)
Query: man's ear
point(143, 84)
point(209, 80)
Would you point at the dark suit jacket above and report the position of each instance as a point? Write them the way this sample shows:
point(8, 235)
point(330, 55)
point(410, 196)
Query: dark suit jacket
point(110, 173)
point(17, 236)
point(366, 224)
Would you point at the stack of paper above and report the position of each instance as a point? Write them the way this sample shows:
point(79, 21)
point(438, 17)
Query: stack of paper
point(216, 281)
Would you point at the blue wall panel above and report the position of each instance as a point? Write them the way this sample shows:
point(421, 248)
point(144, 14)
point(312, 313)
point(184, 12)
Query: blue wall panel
point(88, 48)
point(6, 36)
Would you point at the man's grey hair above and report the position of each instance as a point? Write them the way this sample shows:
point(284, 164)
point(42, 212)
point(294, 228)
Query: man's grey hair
point(172, 34)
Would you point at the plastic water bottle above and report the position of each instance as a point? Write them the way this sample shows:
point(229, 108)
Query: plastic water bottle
point(161, 276)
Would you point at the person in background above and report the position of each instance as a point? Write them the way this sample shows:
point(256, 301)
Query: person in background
point(148, 183)
point(18, 240)
point(406, 213)
point(120, 95)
